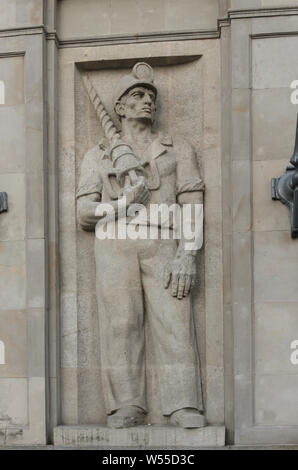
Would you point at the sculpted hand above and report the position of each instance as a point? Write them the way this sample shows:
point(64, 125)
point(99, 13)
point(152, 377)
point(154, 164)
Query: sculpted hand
point(138, 193)
point(182, 271)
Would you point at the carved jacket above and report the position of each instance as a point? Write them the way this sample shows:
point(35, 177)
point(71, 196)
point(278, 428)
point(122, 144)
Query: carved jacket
point(174, 159)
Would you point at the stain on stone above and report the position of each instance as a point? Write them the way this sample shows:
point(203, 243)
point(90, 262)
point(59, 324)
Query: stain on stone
point(241, 108)
point(35, 10)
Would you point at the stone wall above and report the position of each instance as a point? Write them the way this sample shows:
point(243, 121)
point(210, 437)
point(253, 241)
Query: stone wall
point(23, 234)
point(18, 13)
point(262, 254)
point(225, 86)
point(105, 17)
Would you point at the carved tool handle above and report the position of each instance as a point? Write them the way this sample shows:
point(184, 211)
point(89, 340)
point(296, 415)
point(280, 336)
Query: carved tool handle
point(103, 115)
point(106, 122)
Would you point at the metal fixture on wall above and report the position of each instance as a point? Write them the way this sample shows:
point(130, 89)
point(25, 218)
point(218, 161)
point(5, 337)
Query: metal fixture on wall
point(3, 202)
point(285, 188)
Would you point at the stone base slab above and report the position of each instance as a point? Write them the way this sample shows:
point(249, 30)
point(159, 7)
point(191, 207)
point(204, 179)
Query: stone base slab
point(140, 437)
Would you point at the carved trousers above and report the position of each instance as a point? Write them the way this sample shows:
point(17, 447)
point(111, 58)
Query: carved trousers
point(129, 277)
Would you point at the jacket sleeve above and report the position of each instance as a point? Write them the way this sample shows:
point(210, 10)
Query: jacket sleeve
point(90, 181)
point(188, 175)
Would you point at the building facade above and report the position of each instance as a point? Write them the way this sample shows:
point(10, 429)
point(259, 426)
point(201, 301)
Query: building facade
point(228, 73)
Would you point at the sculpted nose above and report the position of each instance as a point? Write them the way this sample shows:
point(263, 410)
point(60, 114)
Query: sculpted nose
point(147, 98)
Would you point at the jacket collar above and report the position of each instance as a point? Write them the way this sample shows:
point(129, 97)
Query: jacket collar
point(157, 148)
point(159, 145)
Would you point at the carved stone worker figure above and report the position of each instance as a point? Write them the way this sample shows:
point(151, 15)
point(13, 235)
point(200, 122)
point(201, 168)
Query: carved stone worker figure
point(144, 278)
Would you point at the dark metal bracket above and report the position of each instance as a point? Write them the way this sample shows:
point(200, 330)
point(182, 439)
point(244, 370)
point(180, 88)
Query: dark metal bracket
point(285, 188)
point(3, 202)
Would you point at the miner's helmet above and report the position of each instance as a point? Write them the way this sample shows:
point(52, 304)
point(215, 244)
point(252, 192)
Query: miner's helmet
point(141, 75)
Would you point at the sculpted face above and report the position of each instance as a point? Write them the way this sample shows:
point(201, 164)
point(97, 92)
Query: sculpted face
point(137, 103)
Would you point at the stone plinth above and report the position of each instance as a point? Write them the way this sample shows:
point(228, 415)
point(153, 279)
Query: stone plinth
point(139, 437)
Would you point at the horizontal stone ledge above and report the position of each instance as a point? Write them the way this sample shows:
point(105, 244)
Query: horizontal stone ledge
point(262, 12)
point(140, 437)
point(139, 38)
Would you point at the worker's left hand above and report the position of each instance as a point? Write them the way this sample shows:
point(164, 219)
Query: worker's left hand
point(182, 272)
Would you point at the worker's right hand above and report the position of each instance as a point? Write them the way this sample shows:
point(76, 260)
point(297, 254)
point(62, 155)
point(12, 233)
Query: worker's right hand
point(136, 193)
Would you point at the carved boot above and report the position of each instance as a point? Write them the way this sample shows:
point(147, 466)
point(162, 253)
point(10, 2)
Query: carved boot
point(126, 417)
point(188, 418)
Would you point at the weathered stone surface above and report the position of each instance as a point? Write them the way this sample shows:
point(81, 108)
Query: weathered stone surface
point(141, 437)
point(36, 342)
point(240, 53)
point(13, 332)
point(241, 123)
point(269, 56)
point(134, 16)
point(268, 215)
point(23, 245)
point(275, 258)
point(12, 76)
point(277, 3)
point(274, 409)
point(13, 222)
point(242, 4)
point(263, 292)
point(238, 4)
point(276, 327)
point(13, 400)
point(12, 274)
point(262, 25)
point(20, 13)
point(181, 15)
point(252, 271)
point(274, 133)
point(241, 210)
point(35, 254)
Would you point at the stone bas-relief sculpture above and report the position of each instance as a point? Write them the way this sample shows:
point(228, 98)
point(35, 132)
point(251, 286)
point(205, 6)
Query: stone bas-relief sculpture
point(143, 278)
